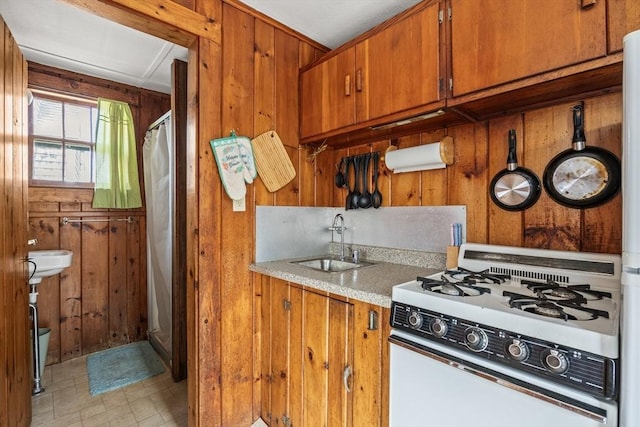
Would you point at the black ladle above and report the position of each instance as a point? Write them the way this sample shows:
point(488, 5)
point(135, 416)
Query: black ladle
point(340, 179)
point(347, 204)
point(355, 196)
point(376, 197)
point(365, 197)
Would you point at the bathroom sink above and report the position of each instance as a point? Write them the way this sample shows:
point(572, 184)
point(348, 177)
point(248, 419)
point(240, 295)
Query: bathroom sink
point(47, 263)
point(331, 265)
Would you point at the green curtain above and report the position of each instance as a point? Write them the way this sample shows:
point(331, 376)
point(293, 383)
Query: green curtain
point(117, 183)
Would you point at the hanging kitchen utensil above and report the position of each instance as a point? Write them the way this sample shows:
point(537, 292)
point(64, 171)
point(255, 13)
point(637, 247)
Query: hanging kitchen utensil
point(365, 197)
point(355, 196)
point(376, 197)
point(347, 204)
point(340, 179)
point(272, 161)
point(514, 188)
point(582, 177)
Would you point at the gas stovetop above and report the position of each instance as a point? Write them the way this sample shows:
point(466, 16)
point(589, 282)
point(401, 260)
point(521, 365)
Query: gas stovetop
point(568, 298)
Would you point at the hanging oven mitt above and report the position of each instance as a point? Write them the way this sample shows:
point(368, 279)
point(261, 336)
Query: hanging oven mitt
point(246, 153)
point(231, 166)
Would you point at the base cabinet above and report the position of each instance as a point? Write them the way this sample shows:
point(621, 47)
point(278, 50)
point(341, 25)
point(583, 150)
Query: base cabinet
point(322, 359)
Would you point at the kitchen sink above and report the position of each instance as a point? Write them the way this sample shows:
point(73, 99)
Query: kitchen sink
point(331, 265)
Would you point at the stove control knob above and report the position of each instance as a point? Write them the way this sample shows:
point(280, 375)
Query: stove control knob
point(517, 350)
point(476, 339)
point(415, 320)
point(555, 361)
point(439, 327)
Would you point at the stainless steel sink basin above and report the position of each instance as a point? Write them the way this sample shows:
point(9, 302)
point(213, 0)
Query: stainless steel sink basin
point(331, 265)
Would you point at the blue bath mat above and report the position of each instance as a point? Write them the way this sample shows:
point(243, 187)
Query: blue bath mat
point(120, 366)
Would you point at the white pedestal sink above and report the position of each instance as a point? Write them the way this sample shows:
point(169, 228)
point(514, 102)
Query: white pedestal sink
point(47, 263)
point(43, 263)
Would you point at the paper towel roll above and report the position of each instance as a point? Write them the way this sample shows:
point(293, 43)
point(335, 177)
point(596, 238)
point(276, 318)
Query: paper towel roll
point(423, 157)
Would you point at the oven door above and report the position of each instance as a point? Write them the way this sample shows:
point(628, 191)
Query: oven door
point(431, 388)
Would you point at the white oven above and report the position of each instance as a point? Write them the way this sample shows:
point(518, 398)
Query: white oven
point(534, 344)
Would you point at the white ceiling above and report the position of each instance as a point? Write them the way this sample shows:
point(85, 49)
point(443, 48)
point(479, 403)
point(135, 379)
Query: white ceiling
point(59, 35)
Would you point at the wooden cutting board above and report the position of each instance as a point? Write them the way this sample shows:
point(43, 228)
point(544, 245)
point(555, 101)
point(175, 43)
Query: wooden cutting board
point(272, 161)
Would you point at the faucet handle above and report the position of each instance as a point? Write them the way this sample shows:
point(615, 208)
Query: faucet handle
point(32, 242)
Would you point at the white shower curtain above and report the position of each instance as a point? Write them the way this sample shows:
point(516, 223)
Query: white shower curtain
point(158, 157)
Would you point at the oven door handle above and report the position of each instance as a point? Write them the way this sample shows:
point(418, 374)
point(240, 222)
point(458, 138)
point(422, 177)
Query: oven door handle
point(602, 419)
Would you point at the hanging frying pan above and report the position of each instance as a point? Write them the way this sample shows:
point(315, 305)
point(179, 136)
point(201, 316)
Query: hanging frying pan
point(582, 177)
point(514, 188)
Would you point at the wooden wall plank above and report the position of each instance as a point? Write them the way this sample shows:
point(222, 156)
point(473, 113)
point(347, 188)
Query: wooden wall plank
point(95, 287)
point(5, 225)
point(236, 246)
point(267, 368)
point(118, 284)
point(71, 295)
point(601, 229)
point(280, 352)
point(468, 185)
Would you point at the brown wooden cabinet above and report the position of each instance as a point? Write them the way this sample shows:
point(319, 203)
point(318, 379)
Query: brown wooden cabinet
point(323, 358)
point(623, 16)
point(327, 101)
point(393, 70)
point(504, 40)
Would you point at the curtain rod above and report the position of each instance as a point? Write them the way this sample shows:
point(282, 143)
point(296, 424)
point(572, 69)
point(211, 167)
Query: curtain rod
point(161, 119)
point(66, 220)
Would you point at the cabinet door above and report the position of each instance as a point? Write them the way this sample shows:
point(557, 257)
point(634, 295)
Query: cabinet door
point(498, 41)
point(328, 359)
point(307, 348)
point(327, 101)
point(399, 66)
point(623, 18)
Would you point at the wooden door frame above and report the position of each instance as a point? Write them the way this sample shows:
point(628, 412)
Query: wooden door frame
point(175, 23)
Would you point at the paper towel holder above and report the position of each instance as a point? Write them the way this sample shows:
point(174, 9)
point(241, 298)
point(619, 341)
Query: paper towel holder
point(436, 155)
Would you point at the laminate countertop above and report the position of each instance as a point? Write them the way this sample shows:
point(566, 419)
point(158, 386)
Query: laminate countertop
point(371, 284)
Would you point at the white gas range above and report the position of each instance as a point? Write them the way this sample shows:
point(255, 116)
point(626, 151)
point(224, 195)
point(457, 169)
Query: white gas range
point(538, 328)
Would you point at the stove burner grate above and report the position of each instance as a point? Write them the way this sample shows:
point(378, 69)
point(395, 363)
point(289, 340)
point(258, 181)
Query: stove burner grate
point(472, 277)
point(447, 287)
point(559, 309)
point(554, 291)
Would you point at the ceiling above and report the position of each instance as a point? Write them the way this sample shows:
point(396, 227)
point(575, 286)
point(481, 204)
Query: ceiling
point(54, 33)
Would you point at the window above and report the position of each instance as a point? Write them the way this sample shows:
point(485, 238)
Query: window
point(62, 132)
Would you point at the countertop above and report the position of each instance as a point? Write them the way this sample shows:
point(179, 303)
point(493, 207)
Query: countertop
point(370, 284)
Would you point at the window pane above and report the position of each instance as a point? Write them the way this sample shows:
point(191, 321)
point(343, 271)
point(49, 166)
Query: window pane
point(94, 123)
point(77, 167)
point(47, 118)
point(77, 122)
point(47, 160)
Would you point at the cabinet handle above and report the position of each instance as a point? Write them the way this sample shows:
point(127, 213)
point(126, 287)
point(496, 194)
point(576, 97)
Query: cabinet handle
point(359, 80)
point(586, 4)
point(346, 375)
point(373, 320)
point(347, 85)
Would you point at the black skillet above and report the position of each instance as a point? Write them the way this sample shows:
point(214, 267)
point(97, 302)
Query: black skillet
point(514, 188)
point(582, 177)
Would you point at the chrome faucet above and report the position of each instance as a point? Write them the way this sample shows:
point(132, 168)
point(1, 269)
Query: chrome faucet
point(340, 231)
point(32, 242)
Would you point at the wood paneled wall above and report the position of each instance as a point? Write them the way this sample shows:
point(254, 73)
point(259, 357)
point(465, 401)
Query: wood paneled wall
point(15, 363)
point(481, 152)
point(101, 300)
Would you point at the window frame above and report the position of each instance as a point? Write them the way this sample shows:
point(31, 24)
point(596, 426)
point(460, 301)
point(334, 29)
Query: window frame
point(65, 99)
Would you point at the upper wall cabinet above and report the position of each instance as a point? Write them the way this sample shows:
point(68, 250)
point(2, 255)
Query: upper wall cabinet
point(623, 16)
point(498, 41)
point(393, 70)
